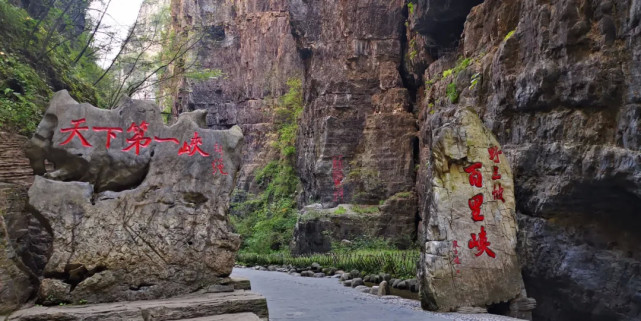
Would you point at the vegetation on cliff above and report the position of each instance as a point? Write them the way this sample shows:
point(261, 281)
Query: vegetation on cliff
point(268, 219)
point(37, 57)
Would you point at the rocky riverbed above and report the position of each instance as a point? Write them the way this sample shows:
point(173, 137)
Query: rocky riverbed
point(304, 298)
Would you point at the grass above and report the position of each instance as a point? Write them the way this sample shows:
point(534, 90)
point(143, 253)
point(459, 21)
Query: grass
point(398, 263)
point(340, 210)
point(509, 35)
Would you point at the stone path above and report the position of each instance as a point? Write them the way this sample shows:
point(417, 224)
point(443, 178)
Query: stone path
point(325, 299)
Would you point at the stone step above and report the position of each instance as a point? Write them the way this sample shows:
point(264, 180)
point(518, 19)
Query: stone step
point(200, 306)
point(228, 317)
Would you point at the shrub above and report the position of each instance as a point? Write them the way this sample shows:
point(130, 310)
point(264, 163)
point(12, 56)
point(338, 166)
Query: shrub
point(266, 221)
point(452, 93)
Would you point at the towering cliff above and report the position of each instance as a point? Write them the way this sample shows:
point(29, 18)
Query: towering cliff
point(558, 84)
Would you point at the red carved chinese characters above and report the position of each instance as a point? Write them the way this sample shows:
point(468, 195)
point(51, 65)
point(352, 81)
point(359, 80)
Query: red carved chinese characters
point(337, 176)
point(166, 140)
point(475, 205)
point(193, 147)
point(111, 133)
point(495, 172)
point(497, 193)
point(476, 178)
point(481, 244)
point(456, 258)
point(138, 140)
point(75, 131)
point(219, 166)
point(218, 149)
point(494, 154)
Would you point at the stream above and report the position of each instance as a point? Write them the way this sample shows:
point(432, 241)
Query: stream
point(325, 299)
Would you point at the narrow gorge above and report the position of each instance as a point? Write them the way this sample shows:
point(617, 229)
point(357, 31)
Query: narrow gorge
point(367, 119)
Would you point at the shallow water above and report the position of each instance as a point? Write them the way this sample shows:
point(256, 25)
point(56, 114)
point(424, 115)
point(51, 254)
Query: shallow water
point(317, 299)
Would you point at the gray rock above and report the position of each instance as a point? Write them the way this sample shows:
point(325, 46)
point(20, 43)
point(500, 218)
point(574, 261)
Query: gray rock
point(190, 306)
point(374, 290)
point(133, 224)
point(307, 273)
point(346, 276)
point(347, 283)
point(395, 282)
point(356, 282)
point(412, 285)
point(366, 278)
point(319, 275)
point(402, 285)
point(385, 276)
point(355, 273)
point(362, 288)
point(383, 288)
point(316, 267)
point(218, 288)
point(453, 274)
point(53, 292)
point(16, 281)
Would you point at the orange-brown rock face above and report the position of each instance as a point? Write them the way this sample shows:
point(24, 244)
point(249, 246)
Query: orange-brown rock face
point(252, 43)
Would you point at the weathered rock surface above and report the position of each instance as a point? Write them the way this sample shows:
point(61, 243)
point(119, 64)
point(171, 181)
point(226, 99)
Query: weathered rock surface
point(132, 225)
point(561, 94)
point(395, 221)
point(16, 281)
point(357, 133)
point(238, 305)
point(251, 42)
point(23, 245)
point(464, 174)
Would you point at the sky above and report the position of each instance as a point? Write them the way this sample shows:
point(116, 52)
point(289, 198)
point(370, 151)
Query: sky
point(121, 15)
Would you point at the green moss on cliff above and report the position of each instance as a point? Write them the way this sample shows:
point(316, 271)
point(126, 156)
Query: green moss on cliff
point(267, 220)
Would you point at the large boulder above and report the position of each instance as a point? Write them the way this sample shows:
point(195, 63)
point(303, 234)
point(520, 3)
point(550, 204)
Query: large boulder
point(469, 254)
point(140, 213)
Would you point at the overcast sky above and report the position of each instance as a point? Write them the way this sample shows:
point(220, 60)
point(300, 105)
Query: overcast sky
point(120, 16)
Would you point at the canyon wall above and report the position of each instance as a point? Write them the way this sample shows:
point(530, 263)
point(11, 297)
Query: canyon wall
point(558, 84)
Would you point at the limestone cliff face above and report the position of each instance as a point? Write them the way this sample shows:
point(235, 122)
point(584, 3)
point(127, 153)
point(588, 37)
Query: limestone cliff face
point(252, 43)
point(558, 83)
point(357, 109)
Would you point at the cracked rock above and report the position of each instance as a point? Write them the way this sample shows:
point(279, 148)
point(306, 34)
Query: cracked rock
point(161, 233)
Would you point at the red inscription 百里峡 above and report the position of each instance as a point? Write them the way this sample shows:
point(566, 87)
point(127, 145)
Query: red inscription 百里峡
point(481, 244)
point(475, 205)
point(476, 178)
point(75, 131)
